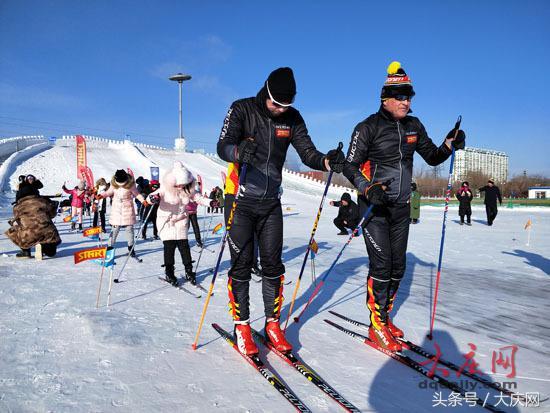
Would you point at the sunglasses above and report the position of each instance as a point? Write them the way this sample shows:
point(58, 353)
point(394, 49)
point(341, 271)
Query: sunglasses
point(278, 104)
point(402, 98)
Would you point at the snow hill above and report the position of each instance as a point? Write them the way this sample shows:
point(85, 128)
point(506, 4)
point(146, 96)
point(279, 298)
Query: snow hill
point(60, 353)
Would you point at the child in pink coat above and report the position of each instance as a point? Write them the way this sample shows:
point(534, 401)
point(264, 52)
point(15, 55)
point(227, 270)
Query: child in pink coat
point(123, 215)
point(77, 202)
point(177, 190)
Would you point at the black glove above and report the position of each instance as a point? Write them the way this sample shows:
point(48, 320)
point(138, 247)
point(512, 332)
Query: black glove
point(336, 159)
point(246, 151)
point(460, 140)
point(376, 195)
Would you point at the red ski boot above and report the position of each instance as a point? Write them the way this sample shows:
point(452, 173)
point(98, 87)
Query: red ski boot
point(384, 338)
point(394, 330)
point(276, 336)
point(245, 342)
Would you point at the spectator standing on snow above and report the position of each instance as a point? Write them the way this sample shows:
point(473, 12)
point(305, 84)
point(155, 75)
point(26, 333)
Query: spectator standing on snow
point(150, 211)
point(192, 213)
point(464, 196)
point(415, 203)
point(99, 206)
point(492, 194)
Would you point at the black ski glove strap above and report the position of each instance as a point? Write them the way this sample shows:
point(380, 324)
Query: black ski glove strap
point(460, 140)
point(336, 159)
point(376, 195)
point(247, 149)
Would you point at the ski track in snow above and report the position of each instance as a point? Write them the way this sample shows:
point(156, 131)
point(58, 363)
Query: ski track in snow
point(60, 353)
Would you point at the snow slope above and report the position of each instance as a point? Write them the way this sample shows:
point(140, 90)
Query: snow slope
point(60, 353)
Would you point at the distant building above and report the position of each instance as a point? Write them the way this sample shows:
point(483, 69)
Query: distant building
point(539, 192)
point(494, 164)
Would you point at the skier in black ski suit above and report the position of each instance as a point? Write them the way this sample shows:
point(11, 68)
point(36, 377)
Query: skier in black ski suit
point(348, 214)
point(257, 131)
point(381, 150)
point(492, 193)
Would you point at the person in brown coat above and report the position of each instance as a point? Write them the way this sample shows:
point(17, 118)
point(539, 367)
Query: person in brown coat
point(32, 224)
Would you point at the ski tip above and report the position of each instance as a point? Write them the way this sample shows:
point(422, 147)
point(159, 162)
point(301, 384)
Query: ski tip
point(194, 346)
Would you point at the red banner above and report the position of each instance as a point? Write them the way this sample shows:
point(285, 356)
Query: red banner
point(88, 177)
point(81, 162)
point(89, 254)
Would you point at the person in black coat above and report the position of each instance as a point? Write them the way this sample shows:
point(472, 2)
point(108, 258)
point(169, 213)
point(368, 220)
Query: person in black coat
point(28, 186)
point(348, 214)
point(464, 196)
point(492, 194)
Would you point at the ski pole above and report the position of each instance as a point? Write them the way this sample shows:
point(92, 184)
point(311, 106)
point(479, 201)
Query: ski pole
point(325, 276)
point(100, 280)
point(117, 280)
point(204, 242)
point(443, 228)
point(224, 239)
point(308, 249)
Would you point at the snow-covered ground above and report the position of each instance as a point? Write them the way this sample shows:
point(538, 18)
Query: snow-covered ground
point(59, 353)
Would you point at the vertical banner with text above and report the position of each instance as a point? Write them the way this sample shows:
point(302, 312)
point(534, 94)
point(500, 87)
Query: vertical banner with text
point(81, 162)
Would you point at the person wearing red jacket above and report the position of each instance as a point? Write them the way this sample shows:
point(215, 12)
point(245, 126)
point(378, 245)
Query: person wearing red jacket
point(77, 202)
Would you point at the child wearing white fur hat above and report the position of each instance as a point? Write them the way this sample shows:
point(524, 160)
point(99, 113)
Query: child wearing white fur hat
point(177, 189)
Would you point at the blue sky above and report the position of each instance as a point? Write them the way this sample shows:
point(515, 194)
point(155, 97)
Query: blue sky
point(101, 67)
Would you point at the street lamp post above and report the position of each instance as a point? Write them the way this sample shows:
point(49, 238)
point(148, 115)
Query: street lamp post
point(180, 78)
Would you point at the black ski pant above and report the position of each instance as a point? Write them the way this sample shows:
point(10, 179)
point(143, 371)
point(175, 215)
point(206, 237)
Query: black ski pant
point(101, 216)
point(228, 203)
point(261, 218)
point(169, 252)
point(468, 218)
point(386, 235)
point(492, 212)
point(339, 223)
point(152, 217)
point(196, 229)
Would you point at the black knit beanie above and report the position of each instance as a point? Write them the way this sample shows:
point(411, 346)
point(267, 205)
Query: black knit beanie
point(121, 176)
point(281, 85)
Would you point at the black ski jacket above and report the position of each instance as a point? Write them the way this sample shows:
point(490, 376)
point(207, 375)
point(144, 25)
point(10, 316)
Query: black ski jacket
point(465, 201)
point(382, 148)
point(492, 193)
point(349, 213)
point(249, 118)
